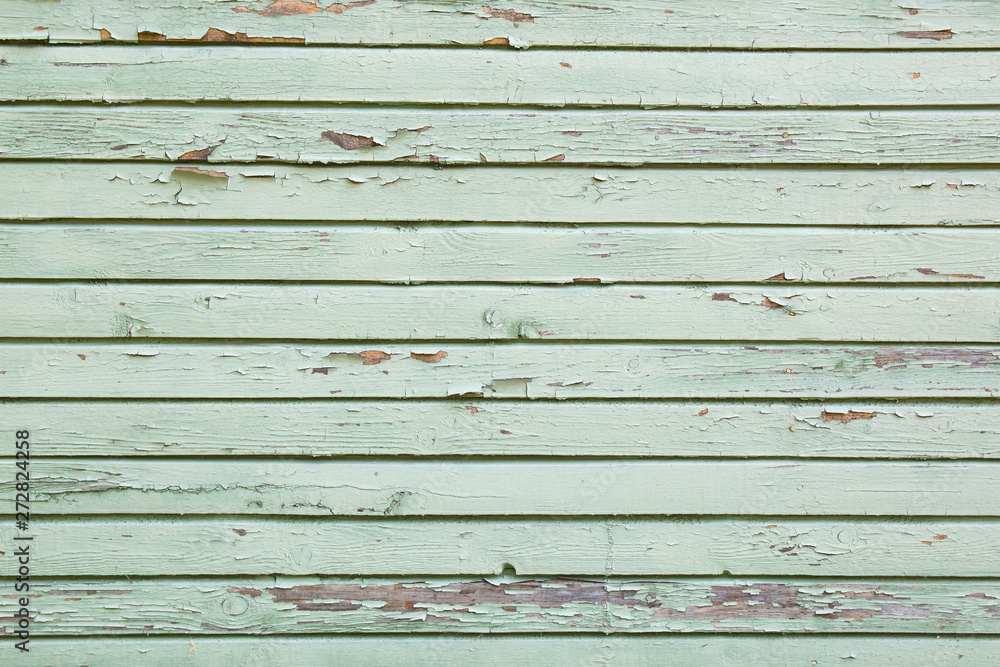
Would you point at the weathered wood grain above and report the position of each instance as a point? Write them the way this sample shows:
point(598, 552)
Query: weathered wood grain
point(785, 130)
point(471, 427)
point(490, 651)
point(384, 312)
point(464, 136)
point(767, 546)
point(283, 605)
point(866, 24)
point(402, 194)
point(379, 488)
point(502, 254)
point(502, 77)
point(82, 369)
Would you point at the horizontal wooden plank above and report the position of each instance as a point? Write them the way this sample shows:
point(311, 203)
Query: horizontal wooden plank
point(490, 651)
point(527, 370)
point(502, 77)
point(283, 605)
point(401, 194)
point(123, 546)
point(506, 488)
point(353, 135)
point(866, 24)
point(383, 312)
point(506, 428)
point(498, 254)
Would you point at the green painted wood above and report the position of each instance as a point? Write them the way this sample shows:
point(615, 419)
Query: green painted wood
point(490, 651)
point(257, 252)
point(503, 488)
point(113, 476)
point(401, 194)
point(624, 313)
point(521, 370)
point(466, 136)
point(471, 427)
point(767, 546)
point(866, 24)
point(283, 605)
point(502, 77)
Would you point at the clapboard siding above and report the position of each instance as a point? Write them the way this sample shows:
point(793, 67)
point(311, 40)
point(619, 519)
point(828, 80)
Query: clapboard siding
point(501, 488)
point(380, 546)
point(544, 651)
point(865, 24)
point(498, 77)
point(518, 370)
point(226, 311)
point(450, 136)
point(501, 254)
point(287, 605)
point(475, 428)
point(544, 194)
point(256, 437)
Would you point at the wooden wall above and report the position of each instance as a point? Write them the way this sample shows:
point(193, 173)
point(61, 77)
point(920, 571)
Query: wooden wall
point(441, 332)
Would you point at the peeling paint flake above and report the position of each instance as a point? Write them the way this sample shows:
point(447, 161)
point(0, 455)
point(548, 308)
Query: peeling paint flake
point(509, 14)
point(349, 142)
point(340, 8)
point(301, 7)
point(258, 172)
point(288, 8)
point(211, 36)
point(141, 352)
point(936, 35)
point(201, 154)
point(198, 171)
point(373, 357)
point(429, 358)
point(846, 417)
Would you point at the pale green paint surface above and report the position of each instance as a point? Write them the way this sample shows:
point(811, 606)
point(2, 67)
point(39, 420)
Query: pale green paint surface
point(621, 313)
point(471, 427)
point(498, 605)
point(470, 136)
point(865, 24)
point(764, 651)
point(501, 77)
point(518, 370)
point(502, 488)
point(384, 546)
point(502, 254)
point(154, 475)
point(403, 194)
